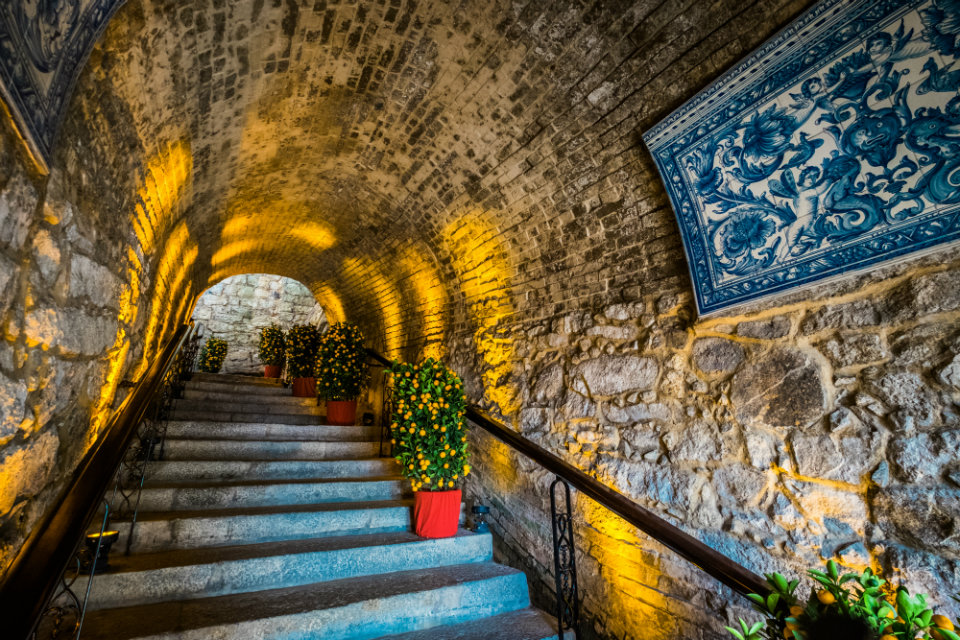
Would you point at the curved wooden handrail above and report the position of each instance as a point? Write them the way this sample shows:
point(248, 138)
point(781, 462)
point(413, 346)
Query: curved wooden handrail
point(734, 575)
point(33, 576)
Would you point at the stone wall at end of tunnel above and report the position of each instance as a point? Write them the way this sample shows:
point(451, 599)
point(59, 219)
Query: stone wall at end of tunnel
point(236, 308)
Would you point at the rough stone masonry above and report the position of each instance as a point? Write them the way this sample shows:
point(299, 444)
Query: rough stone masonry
point(238, 307)
point(468, 180)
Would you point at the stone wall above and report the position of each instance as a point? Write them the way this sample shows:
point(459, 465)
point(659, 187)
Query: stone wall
point(236, 308)
point(796, 432)
point(96, 272)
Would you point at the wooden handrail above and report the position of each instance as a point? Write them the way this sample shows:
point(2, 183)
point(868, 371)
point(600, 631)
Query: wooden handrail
point(35, 572)
point(734, 575)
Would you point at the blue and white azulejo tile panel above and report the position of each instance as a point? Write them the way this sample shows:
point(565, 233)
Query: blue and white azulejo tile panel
point(43, 47)
point(832, 148)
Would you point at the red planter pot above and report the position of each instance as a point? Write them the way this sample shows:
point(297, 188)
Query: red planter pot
point(436, 514)
point(271, 370)
point(304, 387)
point(342, 412)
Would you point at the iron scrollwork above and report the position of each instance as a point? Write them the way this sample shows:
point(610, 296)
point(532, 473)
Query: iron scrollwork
point(564, 559)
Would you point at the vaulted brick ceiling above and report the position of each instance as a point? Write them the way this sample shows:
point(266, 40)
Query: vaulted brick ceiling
point(400, 156)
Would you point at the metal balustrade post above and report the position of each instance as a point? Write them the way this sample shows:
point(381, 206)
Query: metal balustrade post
point(564, 560)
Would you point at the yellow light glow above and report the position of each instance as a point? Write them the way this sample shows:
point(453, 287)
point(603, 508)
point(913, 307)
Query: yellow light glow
point(430, 300)
point(166, 182)
point(369, 278)
point(330, 301)
point(632, 583)
point(483, 268)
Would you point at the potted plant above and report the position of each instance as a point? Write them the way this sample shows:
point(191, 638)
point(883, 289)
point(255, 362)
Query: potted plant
point(341, 372)
point(859, 606)
point(212, 355)
point(272, 350)
point(302, 342)
point(430, 442)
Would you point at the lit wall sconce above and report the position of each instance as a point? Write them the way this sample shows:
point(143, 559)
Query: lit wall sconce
point(103, 560)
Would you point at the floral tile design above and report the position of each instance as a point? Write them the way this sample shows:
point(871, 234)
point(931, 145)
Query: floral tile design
point(43, 47)
point(832, 148)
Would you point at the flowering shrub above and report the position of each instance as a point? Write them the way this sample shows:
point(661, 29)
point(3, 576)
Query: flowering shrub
point(212, 355)
point(427, 425)
point(341, 369)
point(855, 606)
point(273, 345)
point(302, 341)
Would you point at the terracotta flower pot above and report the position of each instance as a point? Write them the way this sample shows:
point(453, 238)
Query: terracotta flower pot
point(271, 370)
point(342, 412)
point(436, 514)
point(304, 387)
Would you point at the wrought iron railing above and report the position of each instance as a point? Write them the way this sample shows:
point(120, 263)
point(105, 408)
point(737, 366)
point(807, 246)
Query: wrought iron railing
point(37, 598)
point(735, 576)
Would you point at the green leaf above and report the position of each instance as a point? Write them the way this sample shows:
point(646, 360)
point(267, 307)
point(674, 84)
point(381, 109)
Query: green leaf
point(772, 601)
point(832, 569)
point(756, 627)
point(949, 635)
point(757, 599)
point(736, 634)
point(779, 582)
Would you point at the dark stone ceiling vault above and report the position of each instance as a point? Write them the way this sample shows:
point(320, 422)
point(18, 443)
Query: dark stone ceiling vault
point(401, 156)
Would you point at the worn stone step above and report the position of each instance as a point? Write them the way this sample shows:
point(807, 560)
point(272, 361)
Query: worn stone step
point(241, 416)
point(525, 624)
point(169, 530)
point(180, 575)
point(233, 378)
point(226, 470)
point(261, 493)
point(247, 405)
point(195, 449)
point(258, 390)
point(208, 430)
point(217, 395)
point(360, 608)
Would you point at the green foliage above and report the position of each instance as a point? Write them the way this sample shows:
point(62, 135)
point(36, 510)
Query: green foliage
point(851, 605)
point(302, 342)
point(427, 424)
point(273, 346)
point(212, 355)
point(341, 367)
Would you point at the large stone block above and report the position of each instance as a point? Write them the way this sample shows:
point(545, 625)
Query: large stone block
point(93, 282)
point(717, 355)
point(781, 388)
point(610, 375)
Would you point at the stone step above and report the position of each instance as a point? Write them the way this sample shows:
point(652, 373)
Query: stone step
point(360, 608)
point(525, 624)
point(258, 390)
point(195, 449)
point(240, 416)
point(260, 493)
point(216, 395)
point(248, 405)
point(233, 378)
point(169, 530)
point(207, 430)
point(181, 575)
point(226, 470)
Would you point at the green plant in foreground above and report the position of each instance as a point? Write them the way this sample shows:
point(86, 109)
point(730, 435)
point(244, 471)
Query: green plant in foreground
point(273, 345)
point(341, 367)
point(427, 425)
point(212, 355)
point(854, 606)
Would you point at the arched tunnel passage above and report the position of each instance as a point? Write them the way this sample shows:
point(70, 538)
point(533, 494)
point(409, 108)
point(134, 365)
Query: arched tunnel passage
point(236, 308)
point(468, 182)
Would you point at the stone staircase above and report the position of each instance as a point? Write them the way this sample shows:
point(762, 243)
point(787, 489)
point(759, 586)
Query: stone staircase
point(261, 522)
